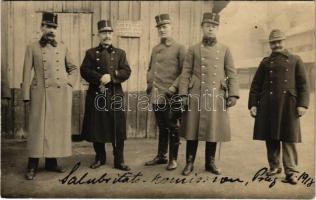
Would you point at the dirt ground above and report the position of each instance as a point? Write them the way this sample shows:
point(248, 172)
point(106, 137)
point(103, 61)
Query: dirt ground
point(239, 160)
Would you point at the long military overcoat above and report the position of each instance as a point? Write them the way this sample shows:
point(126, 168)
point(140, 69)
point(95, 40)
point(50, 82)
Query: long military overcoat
point(104, 115)
point(50, 92)
point(208, 77)
point(279, 86)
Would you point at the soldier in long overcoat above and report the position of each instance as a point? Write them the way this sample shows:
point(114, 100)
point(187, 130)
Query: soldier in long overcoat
point(162, 85)
point(50, 96)
point(105, 67)
point(278, 97)
point(208, 85)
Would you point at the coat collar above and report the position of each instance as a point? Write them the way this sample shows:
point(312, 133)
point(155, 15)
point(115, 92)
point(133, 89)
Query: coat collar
point(167, 41)
point(285, 53)
point(109, 49)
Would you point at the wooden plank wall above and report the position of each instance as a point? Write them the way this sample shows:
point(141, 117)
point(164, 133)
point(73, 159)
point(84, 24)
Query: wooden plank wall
point(21, 23)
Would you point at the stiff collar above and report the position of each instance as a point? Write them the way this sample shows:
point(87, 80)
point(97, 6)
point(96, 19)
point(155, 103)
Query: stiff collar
point(44, 41)
point(209, 41)
point(285, 53)
point(167, 41)
point(102, 47)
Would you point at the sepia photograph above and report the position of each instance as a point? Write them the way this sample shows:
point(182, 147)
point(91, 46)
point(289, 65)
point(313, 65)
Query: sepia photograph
point(158, 99)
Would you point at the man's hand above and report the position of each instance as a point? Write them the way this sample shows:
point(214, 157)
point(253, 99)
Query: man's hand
point(171, 91)
point(149, 88)
point(105, 79)
point(301, 111)
point(231, 101)
point(253, 111)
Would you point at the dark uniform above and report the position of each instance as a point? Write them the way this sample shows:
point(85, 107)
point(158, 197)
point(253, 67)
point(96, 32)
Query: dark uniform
point(164, 68)
point(104, 119)
point(279, 86)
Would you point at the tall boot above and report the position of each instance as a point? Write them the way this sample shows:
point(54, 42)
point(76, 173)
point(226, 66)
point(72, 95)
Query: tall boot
point(210, 150)
point(119, 156)
point(162, 148)
point(190, 156)
point(173, 150)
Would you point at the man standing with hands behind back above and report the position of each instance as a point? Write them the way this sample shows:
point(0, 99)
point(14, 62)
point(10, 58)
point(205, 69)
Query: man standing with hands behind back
point(279, 96)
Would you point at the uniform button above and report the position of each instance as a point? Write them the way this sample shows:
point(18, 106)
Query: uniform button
point(284, 92)
point(203, 58)
point(271, 62)
point(113, 52)
point(97, 51)
point(287, 61)
point(217, 58)
point(203, 66)
point(215, 66)
point(98, 59)
point(202, 82)
point(96, 93)
point(111, 67)
point(155, 72)
point(214, 82)
point(271, 81)
point(203, 74)
point(271, 71)
point(271, 92)
point(285, 81)
point(214, 74)
point(112, 58)
point(286, 70)
point(98, 67)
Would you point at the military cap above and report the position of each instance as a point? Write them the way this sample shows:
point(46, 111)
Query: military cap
point(210, 18)
point(49, 18)
point(276, 35)
point(162, 19)
point(104, 25)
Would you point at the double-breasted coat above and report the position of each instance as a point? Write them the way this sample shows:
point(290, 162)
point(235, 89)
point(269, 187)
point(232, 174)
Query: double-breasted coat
point(279, 86)
point(50, 92)
point(208, 77)
point(104, 115)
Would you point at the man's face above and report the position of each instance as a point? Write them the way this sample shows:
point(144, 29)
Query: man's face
point(277, 46)
point(209, 29)
point(106, 37)
point(49, 31)
point(164, 30)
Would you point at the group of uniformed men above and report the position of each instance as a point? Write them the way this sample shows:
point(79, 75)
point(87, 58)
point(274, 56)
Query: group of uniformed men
point(197, 86)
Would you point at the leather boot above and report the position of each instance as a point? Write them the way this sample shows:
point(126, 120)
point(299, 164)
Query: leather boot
point(190, 157)
point(119, 157)
point(173, 150)
point(210, 150)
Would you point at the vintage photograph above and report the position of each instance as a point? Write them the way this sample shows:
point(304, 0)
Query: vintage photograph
point(158, 99)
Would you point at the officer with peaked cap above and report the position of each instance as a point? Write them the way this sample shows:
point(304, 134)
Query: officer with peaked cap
point(278, 97)
point(50, 96)
point(105, 67)
point(162, 85)
point(208, 85)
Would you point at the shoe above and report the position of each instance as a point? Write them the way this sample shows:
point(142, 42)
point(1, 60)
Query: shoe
point(122, 167)
point(97, 164)
point(157, 161)
point(56, 168)
point(274, 171)
point(188, 169)
point(211, 167)
point(30, 174)
point(290, 178)
point(172, 165)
